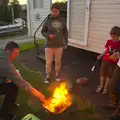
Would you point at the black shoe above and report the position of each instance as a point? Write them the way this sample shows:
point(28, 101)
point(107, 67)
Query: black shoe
point(15, 108)
point(10, 111)
point(10, 117)
point(7, 117)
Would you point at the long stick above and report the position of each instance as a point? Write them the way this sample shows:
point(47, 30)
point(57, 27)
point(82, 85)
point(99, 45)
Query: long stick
point(94, 66)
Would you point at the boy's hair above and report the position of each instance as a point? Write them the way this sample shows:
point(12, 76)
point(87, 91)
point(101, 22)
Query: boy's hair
point(115, 31)
point(56, 6)
point(10, 46)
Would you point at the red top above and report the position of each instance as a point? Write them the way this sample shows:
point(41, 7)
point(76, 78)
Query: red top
point(111, 46)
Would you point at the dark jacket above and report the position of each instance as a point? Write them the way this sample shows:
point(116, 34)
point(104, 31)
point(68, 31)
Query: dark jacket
point(57, 27)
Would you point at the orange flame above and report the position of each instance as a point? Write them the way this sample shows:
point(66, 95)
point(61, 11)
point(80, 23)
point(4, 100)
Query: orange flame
point(60, 100)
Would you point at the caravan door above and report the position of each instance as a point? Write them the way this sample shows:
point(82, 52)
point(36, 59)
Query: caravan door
point(38, 10)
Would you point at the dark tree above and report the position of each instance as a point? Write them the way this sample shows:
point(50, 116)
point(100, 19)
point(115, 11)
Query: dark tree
point(5, 10)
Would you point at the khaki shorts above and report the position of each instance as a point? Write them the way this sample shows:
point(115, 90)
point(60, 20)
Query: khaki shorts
point(107, 69)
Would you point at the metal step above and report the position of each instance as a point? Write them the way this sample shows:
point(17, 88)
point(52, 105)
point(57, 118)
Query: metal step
point(41, 55)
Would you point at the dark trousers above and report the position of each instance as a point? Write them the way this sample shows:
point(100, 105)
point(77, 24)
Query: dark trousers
point(115, 87)
point(10, 90)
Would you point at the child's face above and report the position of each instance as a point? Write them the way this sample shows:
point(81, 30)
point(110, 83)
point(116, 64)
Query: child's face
point(55, 12)
point(114, 37)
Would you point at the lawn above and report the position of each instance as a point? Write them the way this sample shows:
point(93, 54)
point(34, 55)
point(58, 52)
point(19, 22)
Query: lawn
point(36, 79)
point(30, 45)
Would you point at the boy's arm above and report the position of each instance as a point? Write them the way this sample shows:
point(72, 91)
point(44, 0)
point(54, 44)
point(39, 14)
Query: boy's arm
point(11, 74)
point(44, 30)
point(106, 47)
point(102, 54)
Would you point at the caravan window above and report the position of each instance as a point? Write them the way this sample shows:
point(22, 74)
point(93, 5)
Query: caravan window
point(37, 4)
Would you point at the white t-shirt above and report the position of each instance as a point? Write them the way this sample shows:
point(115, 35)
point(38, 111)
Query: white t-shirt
point(118, 63)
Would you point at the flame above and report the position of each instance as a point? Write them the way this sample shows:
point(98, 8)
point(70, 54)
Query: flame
point(60, 100)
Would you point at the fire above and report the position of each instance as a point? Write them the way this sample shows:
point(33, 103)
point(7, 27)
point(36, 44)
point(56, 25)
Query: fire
point(60, 100)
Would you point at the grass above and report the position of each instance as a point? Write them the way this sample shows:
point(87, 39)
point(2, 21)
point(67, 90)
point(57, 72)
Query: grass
point(36, 80)
point(30, 45)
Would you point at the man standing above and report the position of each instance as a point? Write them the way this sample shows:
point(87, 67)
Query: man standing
point(10, 89)
point(56, 33)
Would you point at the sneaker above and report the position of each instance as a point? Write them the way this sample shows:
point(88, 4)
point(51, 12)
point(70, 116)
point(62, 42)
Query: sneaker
point(105, 91)
point(99, 89)
point(58, 78)
point(47, 79)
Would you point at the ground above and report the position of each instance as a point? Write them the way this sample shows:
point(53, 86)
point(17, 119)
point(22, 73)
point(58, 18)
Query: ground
point(76, 63)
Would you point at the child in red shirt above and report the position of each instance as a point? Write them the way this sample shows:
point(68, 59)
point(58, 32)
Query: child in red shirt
point(108, 60)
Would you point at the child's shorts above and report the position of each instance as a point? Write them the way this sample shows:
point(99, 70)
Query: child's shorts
point(107, 69)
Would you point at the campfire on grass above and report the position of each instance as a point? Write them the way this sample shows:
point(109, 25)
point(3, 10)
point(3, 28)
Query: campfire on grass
point(60, 100)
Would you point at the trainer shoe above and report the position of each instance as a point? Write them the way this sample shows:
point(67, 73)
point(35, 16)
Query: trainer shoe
point(105, 91)
point(47, 79)
point(99, 89)
point(58, 78)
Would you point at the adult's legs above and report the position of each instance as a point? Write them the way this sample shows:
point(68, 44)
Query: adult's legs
point(10, 90)
point(49, 54)
point(114, 97)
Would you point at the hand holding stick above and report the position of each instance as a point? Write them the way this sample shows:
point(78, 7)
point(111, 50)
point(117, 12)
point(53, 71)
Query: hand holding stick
point(94, 66)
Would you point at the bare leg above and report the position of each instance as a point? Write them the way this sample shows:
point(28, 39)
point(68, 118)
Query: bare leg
point(49, 53)
point(106, 85)
point(102, 78)
point(58, 57)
